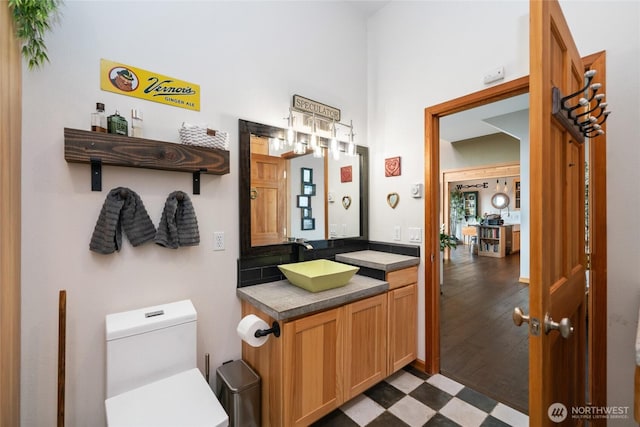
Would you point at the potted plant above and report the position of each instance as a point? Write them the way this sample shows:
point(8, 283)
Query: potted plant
point(32, 20)
point(446, 241)
point(456, 210)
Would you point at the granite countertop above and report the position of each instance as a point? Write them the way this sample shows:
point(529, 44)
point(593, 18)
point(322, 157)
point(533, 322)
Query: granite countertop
point(384, 261)
point(281, 300)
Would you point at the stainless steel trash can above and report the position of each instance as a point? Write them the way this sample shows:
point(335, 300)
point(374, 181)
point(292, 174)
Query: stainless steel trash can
point(238, 389)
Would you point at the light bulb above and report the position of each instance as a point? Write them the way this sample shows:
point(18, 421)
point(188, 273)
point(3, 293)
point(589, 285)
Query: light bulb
point(291, 136)
point(334, 147)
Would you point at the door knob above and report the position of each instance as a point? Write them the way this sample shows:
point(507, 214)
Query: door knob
point(519, 317)
point(253, 194)
point(564, 326)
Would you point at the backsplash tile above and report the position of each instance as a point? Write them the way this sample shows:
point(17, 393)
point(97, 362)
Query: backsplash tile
point(264, 269)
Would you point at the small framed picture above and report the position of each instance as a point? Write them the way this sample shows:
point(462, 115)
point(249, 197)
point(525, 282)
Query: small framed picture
point(303, 201)
point(309, 189)
point(346, 174)
point(307, 175)
point(306, 213)
point(308, 224)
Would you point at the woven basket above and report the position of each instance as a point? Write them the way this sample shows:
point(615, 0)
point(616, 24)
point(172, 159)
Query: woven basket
point(204, 137)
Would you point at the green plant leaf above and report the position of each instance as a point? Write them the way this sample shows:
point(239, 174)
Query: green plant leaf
point(32, 20)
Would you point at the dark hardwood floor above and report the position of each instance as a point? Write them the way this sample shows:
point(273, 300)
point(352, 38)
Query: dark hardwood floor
point(480, 346)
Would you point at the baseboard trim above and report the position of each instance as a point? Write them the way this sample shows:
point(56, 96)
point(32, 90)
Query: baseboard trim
point(524, 280)
point(419, 365)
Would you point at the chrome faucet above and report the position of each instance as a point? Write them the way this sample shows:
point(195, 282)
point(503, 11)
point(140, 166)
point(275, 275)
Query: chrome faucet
point(304, 244)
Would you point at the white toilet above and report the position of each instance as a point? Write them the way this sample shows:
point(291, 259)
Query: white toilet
point(152, 375)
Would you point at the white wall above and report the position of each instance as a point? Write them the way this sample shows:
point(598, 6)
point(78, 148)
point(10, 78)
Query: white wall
point(517, 124)
point(424, 53)
point(249, 59)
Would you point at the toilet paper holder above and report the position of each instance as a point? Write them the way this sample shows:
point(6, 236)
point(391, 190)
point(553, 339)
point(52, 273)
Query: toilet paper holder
point(275, 330)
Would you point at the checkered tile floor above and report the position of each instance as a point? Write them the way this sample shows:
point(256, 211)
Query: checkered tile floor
point(413, 398)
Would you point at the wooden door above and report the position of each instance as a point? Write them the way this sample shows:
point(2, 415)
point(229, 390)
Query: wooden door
point(312, 361)
point(402, 333)
point(557, 282)
point(365, 349)
point(268, 206)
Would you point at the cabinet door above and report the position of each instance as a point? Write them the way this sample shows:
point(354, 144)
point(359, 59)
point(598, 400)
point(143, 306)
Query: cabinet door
point(365, 350)
point(515, 245)
point(312, 361)
point(403, 304)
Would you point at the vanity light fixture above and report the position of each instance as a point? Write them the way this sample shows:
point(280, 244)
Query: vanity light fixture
point(291, 133)
point(351, 147)
point(334, 146)
point(322, 133)
point(314, 130)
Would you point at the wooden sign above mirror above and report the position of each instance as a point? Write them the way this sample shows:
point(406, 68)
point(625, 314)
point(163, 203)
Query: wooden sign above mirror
point(272, 183)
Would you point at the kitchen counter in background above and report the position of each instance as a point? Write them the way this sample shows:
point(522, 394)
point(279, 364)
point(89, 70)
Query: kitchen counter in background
point(378, 260)
point(281, 300)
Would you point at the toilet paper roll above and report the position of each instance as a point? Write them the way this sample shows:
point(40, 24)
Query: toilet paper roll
point(248, 327)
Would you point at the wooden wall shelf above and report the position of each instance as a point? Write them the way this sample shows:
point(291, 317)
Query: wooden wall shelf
point(81, 146)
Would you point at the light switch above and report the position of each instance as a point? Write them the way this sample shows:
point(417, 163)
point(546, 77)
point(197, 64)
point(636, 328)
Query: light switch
point(415, 234)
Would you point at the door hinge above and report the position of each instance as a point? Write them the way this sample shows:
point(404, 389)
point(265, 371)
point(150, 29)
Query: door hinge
point(588, 261)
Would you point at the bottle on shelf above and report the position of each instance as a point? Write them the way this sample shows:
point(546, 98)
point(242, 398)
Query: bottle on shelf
point(98, 119)
point(136, 123)
point(117, 124)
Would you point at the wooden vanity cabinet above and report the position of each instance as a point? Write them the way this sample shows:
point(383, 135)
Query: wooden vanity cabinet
point(402, 302)
point(312, 364)
point(365, 344)
point(324, 359)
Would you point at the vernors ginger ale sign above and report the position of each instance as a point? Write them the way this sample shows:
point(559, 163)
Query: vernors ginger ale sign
point(131, 81)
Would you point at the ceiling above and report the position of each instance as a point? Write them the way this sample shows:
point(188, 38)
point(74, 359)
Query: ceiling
point(367, 7)
point(466, 124)
point(472, 123)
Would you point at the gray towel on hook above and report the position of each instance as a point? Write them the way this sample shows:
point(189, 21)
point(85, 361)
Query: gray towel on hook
point(122, 210)
point(178, 225)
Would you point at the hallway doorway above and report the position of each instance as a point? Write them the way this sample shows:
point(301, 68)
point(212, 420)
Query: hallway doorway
point(480, 348)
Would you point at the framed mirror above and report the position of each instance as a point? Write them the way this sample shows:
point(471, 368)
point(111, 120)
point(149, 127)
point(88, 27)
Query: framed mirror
point(286, 196)
point(500, 201)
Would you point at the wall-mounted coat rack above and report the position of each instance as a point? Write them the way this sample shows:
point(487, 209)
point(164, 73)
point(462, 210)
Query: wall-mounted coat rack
point(577, 114)
point(81, 146)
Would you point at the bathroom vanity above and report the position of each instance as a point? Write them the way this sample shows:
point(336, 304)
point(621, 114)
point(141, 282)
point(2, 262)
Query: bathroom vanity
point(334, 344)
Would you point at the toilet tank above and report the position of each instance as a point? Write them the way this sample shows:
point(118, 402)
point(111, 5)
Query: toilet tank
point(149, 344)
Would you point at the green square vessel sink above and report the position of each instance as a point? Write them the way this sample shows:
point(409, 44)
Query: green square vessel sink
point(318, 275)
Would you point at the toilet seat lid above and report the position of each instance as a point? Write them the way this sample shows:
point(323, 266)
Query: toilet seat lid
point(184, 400)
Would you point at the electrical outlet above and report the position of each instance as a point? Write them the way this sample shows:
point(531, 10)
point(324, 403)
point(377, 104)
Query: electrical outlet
point(218, 241)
